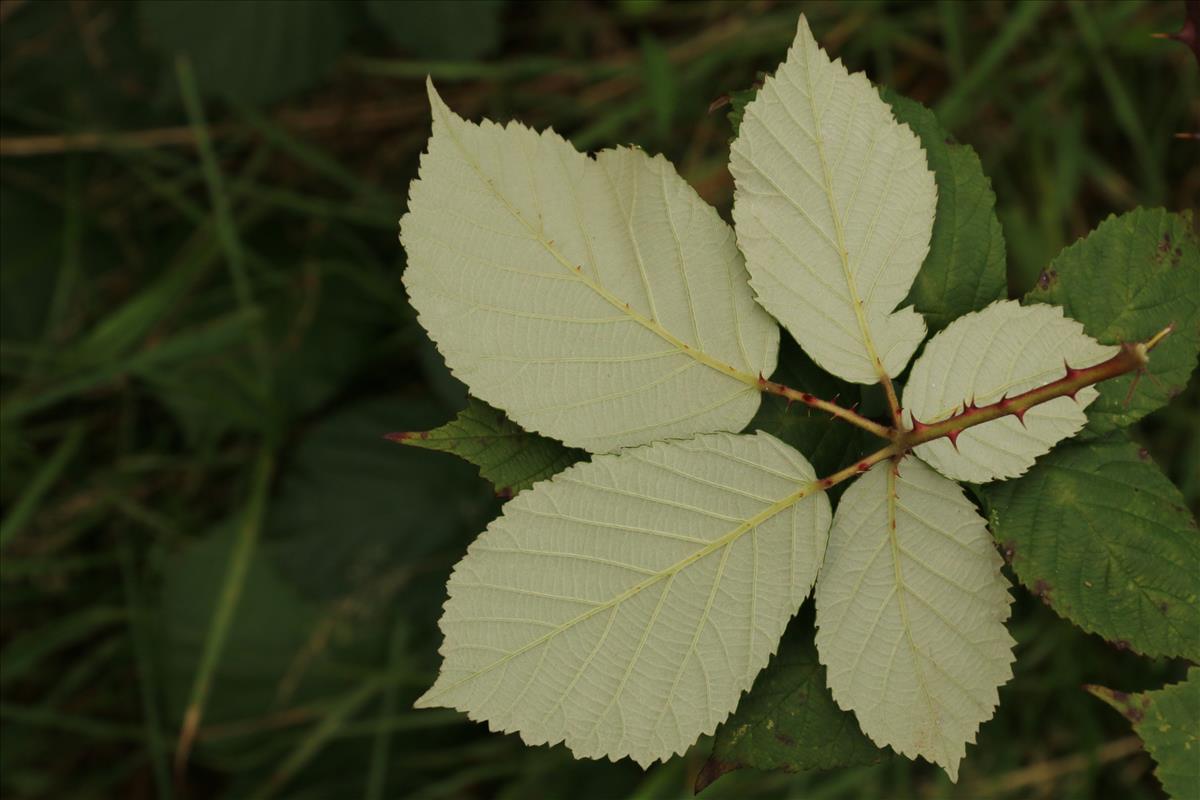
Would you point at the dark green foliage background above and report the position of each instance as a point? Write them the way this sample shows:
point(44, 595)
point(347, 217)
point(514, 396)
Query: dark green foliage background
point(154, 349)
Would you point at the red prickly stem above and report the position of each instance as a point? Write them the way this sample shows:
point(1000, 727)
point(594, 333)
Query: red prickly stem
point(953, 437)
point(863, 466)
point(1020, 415)
point(806, 397)
point(970, 406)
point(1071, 371)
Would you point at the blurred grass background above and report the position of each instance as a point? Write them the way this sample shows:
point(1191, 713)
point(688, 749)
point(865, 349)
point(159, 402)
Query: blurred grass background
point(204, 337)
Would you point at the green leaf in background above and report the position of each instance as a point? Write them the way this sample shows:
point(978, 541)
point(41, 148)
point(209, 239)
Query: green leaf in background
point(355, 516)
point(257, 51)
point(965, 268)
point(507, 455)
point(662, 84)
point(1168, 723)
point(1125, 281)
point(738, 100)
point(441, 29)
point(1100, 534)
point(789, 720)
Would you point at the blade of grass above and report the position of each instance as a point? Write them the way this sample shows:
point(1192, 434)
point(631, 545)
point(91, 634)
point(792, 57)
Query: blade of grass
point(31, 499)
point(86, 671)
point(227, 602)
point(208, 338)
point(377, 773)
point(955, 106)
point(222, 211)
point(950, 13)
point(24, 653)
point(227, 232)
point(321, 733)
point(451, 71)
point(309, 155)
point(18, 568)
point(70, 723)
point(69, 268)
point(156, 747)
point(1122, 105)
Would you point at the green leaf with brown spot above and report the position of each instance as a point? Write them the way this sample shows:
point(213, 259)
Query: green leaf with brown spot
point(1099, 532)
point(1168, 722)
point(1125, 281)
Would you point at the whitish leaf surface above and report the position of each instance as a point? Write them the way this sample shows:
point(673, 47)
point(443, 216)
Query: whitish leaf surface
point(833, 205)
point(910, 613)
point(624, 605)
point(511, 458)
point(1168, 723)
point(598, 301)
point(1005, 349)
point(1099, 532)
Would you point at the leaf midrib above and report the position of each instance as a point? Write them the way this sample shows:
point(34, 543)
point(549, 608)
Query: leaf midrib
point(716, 544)
point(648, 323)
point(844, 256)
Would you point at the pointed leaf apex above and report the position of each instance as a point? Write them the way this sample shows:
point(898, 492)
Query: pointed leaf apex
point(436, 104)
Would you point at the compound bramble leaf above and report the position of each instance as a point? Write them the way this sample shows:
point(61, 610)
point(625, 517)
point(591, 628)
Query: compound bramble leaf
point(833, 205)
point(624, 605)
point(1005, 349)
point(910, 613)
point(598, 301)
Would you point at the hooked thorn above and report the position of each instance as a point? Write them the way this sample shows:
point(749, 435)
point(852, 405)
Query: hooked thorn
point(1071, 371)
point(953, 437)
